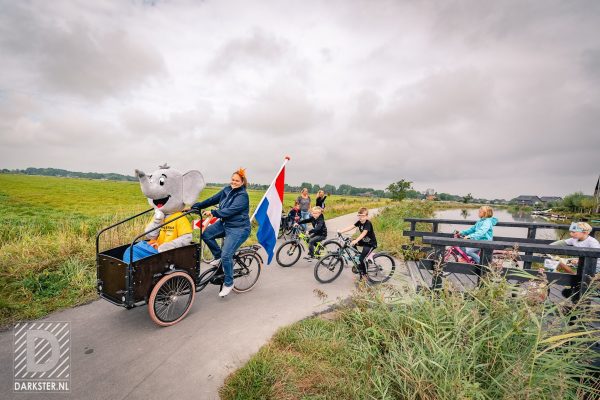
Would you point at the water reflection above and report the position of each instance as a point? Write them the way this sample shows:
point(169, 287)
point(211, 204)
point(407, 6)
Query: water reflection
point(472, 214)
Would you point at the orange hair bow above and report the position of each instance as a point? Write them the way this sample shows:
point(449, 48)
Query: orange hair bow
point(241, 172)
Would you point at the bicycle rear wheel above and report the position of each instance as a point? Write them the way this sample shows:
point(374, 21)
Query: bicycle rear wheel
point(329, 268)
point(381, 269)
point(246, 271)
point(288, 253)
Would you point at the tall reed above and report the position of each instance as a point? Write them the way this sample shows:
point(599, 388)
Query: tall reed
point(490, 343)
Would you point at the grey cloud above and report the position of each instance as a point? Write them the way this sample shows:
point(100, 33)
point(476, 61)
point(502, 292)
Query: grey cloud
point(260, 49)
point(590, 61)
point(481, 23)
point(282, 109)
point(71, 56)
point(180, 125)
point(437, 101)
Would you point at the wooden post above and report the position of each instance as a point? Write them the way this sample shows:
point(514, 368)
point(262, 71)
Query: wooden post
point(586, 268)
point(531, 231)
point(413, 227)
point(486, 258)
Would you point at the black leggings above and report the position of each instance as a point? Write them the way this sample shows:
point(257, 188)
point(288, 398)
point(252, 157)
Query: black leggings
point(362, 264)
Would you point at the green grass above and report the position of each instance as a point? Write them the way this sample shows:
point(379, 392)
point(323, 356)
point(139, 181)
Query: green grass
point(47, 236)
point(393, 345)
point(390, 224)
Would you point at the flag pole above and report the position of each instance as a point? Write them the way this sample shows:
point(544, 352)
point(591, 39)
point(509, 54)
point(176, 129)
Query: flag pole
point(287, 158)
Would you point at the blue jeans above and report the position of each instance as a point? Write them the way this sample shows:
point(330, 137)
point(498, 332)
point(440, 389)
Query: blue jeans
point(140, 250)
point(304, 215)
point(233, 240)
point(473, 253)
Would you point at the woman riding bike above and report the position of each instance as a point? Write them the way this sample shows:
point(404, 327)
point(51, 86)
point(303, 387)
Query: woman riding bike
point(233, 224)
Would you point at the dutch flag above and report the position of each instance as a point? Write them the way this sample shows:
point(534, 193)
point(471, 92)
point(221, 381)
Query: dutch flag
point(268, 213)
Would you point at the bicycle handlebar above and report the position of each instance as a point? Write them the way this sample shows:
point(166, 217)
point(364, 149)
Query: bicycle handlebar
point(346, 239)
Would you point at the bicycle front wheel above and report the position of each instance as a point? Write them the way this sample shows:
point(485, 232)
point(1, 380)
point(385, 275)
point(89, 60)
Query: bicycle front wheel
point(329, 268)
point(246, 271)
point(207, 255)
point(288, 253)
point(381, 269)
point(449, 256)
point(330, 246)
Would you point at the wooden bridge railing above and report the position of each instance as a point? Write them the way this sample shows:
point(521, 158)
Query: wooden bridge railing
point(579, 282)
point(530, 238)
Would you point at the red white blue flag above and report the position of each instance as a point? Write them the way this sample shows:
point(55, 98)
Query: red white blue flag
point(268, 213)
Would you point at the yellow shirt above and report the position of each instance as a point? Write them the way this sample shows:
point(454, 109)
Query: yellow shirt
point(174, 229)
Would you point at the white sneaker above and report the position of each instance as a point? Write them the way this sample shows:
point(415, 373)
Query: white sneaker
point(225, 291)
point(215, 262)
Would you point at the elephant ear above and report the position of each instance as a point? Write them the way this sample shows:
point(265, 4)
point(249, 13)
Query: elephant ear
point(193, 183)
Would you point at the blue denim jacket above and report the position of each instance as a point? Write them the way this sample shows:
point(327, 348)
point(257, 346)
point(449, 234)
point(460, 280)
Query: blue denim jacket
point(234, 206)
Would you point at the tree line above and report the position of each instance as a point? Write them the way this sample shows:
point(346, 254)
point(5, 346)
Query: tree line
point(69, 174)
point(399, 190)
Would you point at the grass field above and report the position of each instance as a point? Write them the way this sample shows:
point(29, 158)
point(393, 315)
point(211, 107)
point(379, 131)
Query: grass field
point(47, 236)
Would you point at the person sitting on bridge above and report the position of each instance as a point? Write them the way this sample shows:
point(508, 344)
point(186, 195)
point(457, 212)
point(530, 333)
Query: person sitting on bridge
point(319, 231)
point(482, 230)
point(580, 237)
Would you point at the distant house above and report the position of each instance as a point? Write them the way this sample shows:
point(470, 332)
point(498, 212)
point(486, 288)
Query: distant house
point(430, 194)
point(550, 199)
point(526, 200)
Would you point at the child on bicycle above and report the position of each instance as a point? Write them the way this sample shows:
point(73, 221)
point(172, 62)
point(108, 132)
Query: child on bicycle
point(482, 230)
point(366, 239)
point(294, 214)
point(319, 231)
point(580, 237)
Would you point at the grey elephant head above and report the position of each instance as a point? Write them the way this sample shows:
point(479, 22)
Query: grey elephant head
point(169, 190)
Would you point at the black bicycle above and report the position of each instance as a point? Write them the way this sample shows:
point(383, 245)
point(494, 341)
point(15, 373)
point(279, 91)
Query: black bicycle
point(167, 281)
point(285, 226)
point(290, 251)
point(380, 265)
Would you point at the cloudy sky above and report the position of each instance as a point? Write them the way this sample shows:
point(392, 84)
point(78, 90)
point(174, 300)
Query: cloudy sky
point(494, 98)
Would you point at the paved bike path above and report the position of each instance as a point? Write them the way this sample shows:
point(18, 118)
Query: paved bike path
point(122, 354)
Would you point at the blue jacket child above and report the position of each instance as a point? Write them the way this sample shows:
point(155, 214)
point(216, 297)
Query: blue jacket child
point(482, 230)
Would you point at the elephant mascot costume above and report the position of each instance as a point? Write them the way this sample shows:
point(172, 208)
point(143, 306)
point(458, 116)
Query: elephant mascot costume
point(168, 191)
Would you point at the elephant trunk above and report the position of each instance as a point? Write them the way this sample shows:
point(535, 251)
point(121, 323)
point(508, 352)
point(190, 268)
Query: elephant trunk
point(144, 181)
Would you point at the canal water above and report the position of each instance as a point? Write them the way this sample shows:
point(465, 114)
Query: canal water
point(472, 214)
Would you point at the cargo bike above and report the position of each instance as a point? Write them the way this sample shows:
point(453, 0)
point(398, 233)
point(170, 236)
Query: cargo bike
point(168, 281)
